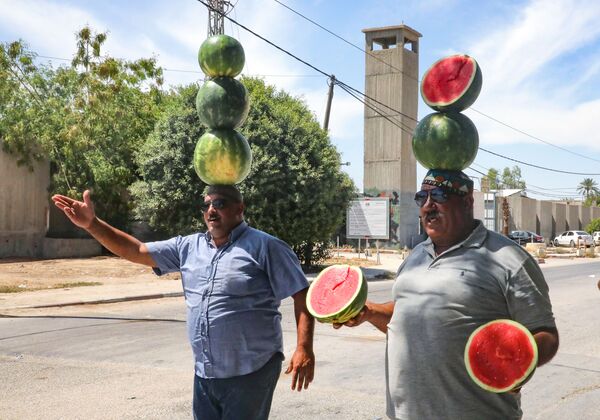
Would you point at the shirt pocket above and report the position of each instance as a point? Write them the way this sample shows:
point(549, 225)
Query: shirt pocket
point(196, 278)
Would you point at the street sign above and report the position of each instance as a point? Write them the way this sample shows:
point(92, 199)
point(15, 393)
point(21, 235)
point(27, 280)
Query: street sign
point(368, 218)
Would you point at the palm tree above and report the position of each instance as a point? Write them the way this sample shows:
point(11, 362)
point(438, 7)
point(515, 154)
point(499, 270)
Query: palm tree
point(588, 188)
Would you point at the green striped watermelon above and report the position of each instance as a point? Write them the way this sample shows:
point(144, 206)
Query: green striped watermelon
point(445, 141)
point(337, 294)
point(222, 102)
point(221, 55)
point(222, 157)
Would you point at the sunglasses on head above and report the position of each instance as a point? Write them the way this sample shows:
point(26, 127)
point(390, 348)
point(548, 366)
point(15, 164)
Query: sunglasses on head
point(217, 203)
point(438, 195)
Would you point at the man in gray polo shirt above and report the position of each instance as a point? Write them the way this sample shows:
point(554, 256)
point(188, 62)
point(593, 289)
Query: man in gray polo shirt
point(461, 277)
point(234, 278)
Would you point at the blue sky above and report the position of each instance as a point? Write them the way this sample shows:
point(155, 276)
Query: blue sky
point(540, 61)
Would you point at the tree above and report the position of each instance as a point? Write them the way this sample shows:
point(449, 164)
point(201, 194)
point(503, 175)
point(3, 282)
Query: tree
point(492, 176)
point(594, 226)
point(588, 189)
point(511, 178)
point(295, 190)
point(88, 119)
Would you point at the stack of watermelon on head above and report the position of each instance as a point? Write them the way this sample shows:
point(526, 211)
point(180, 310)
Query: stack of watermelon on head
point(222, 155)
point(447, 139)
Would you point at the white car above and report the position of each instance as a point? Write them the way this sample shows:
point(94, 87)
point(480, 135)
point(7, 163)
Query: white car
point(573, 238)
point(596, 237)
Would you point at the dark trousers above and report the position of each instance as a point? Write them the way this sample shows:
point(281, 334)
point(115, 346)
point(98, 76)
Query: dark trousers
point(238, 398)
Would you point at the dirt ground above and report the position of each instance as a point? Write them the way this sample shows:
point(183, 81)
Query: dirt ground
point(21, 275)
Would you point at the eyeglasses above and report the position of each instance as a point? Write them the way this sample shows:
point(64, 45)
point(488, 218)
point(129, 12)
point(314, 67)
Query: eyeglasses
point(437, 195)
point(217, 203)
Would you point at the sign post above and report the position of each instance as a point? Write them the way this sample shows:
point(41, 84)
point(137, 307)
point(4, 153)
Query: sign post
point(368, 218)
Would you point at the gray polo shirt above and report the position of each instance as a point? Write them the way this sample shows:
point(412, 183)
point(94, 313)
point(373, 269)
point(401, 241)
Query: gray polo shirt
point(439, 301)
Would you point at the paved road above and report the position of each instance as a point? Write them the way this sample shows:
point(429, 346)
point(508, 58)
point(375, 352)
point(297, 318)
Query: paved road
point(132, 360)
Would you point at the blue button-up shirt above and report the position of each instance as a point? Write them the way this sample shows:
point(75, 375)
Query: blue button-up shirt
point(232, 295)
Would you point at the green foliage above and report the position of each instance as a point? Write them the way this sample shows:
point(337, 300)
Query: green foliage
point(88, 119)
point(295, 190)
point(510, 178)
point(589, 190)
point(594, 226)
point(169, 194)
point(492, 175)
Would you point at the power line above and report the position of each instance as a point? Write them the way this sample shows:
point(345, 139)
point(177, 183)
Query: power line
point(535, 166)
point(198, 71)
point(339, 37)
point(532, 136)
point(301, 60)
point(475, 110)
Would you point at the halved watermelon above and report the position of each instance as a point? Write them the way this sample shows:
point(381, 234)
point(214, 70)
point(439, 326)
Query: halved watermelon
point(337, 294)
point(500, 355)
point(452, 83)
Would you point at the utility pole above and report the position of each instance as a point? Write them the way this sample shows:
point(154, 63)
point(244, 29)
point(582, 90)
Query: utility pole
point(331, 83)
point(216, 11)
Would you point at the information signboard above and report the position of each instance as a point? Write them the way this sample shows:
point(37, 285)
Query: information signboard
point(368, 218)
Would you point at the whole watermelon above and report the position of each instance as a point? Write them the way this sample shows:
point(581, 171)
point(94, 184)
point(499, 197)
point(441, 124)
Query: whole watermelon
point(222, 102)
point(222, 156)
point(445, 141)
point(221, 55)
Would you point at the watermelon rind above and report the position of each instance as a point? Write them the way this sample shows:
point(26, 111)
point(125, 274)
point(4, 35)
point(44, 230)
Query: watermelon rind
point(222, 102)
point(517, 381)
point(221, 55)
point(462, 99)
point(222, 157)
point(350, 309)
point(444, 140)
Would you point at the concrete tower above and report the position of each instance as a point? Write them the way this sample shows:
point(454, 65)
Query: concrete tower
point(392, 84)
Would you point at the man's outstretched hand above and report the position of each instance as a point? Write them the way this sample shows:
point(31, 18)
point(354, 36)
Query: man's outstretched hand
point(81, 213)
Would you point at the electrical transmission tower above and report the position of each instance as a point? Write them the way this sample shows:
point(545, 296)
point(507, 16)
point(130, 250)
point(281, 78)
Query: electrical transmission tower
point(216, 11)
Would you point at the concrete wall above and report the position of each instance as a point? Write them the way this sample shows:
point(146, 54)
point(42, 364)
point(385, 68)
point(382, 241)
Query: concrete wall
point(25, 214)
point(595, 213)
point(573, 217)
point(559, 216)
point(23, 207)
point(544, 220)
point(585, 214)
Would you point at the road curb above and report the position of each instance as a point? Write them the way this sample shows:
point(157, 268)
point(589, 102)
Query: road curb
point(98, 301)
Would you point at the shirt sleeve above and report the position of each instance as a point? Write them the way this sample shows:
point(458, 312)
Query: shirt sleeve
point(527, 297)
point(166, 255)
point(284, 270)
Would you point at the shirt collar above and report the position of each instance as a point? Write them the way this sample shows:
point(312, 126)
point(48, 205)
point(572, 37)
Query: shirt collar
point(234, 235)
point(475, 239)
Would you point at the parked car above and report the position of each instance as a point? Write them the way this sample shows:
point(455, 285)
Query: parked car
point(523, 236)
point(596, 236)
point(572, 238)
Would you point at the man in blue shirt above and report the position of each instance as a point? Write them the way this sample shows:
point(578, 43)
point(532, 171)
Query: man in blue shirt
point(234, 278)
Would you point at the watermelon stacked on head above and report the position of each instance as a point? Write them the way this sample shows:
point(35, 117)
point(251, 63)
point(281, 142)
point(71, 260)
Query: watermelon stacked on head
point(448, 139)
point(222, 155)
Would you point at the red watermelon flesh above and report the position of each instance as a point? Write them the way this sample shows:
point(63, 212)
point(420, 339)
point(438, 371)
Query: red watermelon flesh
point(500, 355)
point(452, 84)
point(337, 294)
